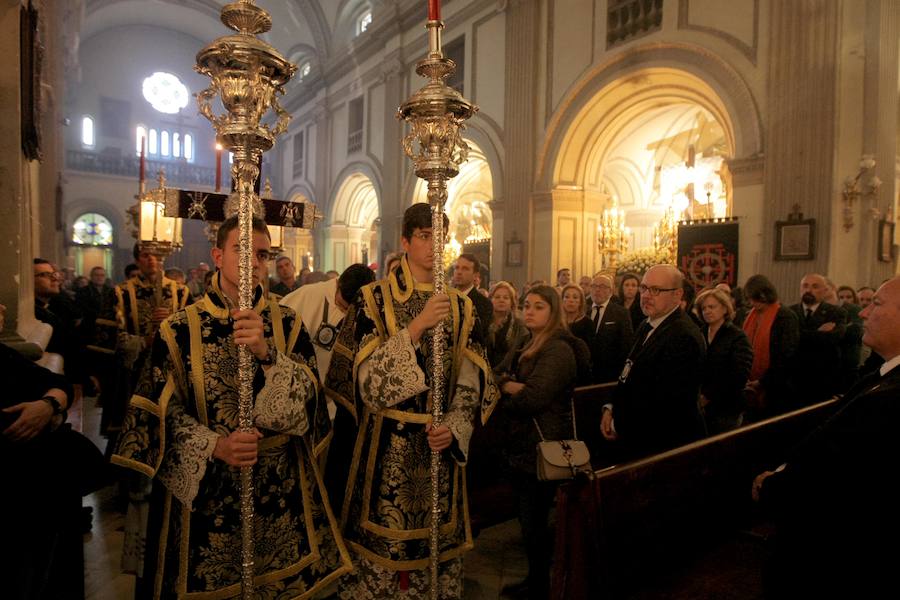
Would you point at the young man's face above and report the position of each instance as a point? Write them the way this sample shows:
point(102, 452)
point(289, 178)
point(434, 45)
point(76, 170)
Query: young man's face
point(227, 258)
point(464, 273)
point(148, 263)
point(285, 269)
point(419, 249)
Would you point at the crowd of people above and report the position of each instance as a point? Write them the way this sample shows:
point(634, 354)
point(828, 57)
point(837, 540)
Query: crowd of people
point(343, 386)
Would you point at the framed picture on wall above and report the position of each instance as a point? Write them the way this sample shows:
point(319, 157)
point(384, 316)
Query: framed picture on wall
point(514, 253)
point(795, 239)
point(885, 241)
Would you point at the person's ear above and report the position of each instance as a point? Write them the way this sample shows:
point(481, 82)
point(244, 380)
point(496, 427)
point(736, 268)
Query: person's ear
point(216, 255)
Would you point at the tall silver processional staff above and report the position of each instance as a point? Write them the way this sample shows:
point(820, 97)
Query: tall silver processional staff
point(436, 115)
point(247, 74)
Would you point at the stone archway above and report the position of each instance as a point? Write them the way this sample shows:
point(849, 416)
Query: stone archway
point(469, 197)
point(353, 232)
point(621, 133)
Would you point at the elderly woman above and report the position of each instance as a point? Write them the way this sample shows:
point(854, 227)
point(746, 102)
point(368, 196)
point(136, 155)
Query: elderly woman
point(728, 361)
point(506, 331)
point(774, 333)
point(537, 404)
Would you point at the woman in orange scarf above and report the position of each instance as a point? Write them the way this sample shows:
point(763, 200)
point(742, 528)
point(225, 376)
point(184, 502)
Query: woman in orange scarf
point(774, 334)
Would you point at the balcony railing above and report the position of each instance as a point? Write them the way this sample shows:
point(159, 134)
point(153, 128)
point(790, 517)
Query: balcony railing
point(178, 173)
point(354, 141)
point(631, 18)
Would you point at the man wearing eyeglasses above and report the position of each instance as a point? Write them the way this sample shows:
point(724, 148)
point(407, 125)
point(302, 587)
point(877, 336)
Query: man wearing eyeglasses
point(611, 335)
point(55, 309)
point(381, 373)
point(654, 406)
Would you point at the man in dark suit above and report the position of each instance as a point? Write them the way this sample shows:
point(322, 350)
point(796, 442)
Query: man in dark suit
point(611, 334)
point(467, 265)
point(654, 406)
point(835, 498)
point(817, 371)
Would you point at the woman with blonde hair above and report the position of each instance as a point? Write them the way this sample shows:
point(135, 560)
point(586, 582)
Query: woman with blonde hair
point(729, 357)
point(537, 405)
point(506, 331)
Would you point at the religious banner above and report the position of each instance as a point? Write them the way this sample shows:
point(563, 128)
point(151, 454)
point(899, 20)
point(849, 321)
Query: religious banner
point(708, 252)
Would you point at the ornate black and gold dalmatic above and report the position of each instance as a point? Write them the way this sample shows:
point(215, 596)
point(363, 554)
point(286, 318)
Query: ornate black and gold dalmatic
point(382, 379)
point(186, 398)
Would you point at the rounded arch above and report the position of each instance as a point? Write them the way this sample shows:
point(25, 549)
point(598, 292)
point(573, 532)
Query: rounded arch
point(300, 193)
point(356, 202)
point(468, 197)
point(639, 79)
point(76, 208)
point(337, 195)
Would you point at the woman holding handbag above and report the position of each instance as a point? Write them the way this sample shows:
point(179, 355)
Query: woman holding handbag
point(537, 406)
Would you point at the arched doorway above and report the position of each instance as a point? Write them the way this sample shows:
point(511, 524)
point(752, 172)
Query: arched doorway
point(91, 239)
point(651, 139)
point(468, 206)
point(352, 236)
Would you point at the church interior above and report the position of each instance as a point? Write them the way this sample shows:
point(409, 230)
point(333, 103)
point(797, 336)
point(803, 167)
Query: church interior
point(727, 137)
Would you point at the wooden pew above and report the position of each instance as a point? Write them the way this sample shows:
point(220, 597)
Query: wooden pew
point(589, 401)
point(638, 518)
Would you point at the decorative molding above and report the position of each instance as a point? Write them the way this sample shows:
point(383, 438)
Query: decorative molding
point(749, 170)
point(750, 52)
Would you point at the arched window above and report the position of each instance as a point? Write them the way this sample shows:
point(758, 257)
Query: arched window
point(176, 145)
point(363, 22)
point(189, 147)
point(140, 138)
point(91, 229)
point(304, 70)
point(87, 131)
point(164, 143)
point(153, 142)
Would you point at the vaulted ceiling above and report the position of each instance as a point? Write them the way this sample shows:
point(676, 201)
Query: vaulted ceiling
point(298, 26)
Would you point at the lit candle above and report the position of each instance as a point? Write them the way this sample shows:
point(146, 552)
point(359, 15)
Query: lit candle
point(218, 167)
point(434, 10)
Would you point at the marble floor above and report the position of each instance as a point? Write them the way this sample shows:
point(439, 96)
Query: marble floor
point(497, 559)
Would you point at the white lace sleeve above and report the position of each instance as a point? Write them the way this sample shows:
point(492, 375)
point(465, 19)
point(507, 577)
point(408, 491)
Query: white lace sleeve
point(391, 374)
point(188, 452)
point(460, 419)
point(281, 404)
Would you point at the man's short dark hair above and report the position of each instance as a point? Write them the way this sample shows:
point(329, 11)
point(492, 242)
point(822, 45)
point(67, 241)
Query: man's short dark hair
point(865, 287)
point(231, 223)
point(759, 288)
point(42, 261)
point(94, 269)
point(130, 268)
point(560, 272)
point(476, 264)
point(352, 279)
point(283, 257)
point(418, 216)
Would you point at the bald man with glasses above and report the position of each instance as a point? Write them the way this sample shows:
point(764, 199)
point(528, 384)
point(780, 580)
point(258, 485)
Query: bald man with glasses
point(610, 334)
point(654, 405)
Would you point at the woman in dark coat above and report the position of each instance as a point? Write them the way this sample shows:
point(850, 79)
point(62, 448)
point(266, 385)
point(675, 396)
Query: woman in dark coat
point(538, 393)
point(727, 366)
point(506, 331)
point(627, 295)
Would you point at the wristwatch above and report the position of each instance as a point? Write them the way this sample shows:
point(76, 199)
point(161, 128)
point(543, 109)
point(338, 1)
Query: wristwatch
point(268, 360)
point(53, 402)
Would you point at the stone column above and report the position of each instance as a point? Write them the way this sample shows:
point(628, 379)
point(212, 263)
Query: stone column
point(395, 163)
point(803, 45)
point(522, 87)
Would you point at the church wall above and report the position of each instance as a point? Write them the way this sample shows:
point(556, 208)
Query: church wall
point(115, 63)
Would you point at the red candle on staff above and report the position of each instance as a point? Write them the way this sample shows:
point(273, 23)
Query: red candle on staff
point(218, 167)
point(141, 171)
point(434, 10)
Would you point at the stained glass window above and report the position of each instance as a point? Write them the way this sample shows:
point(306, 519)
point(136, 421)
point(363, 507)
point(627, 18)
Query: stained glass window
point(91, 229)
point(165, 92)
